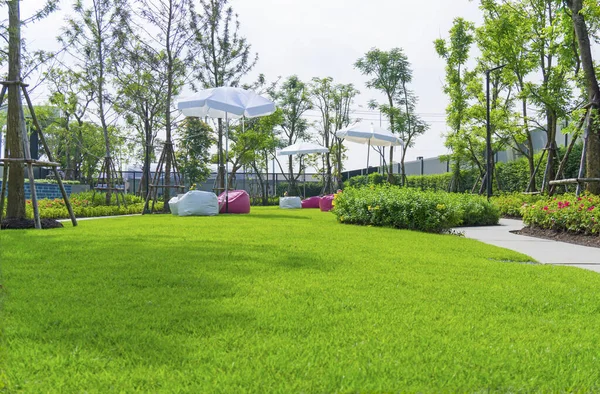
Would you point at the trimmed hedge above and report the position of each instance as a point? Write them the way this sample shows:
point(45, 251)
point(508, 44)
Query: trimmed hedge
point(409, 208)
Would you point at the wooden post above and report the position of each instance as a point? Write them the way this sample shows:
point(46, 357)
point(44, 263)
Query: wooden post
point(49, 155)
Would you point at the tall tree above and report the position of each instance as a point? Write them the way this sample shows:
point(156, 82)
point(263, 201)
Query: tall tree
point(388, 70)
point(174, 22)
point(343, 97)
point(506, 38)
point(455, 50)
point(226, 56)
point(15, 123)
point(72, 95)
point(321, 90)
point(582, 26)
point(142, 90)
point(333, 103)
point(293, 98)
point(91, 37)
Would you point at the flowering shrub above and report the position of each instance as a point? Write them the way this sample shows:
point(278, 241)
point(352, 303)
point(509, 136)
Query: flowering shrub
point(392, 206)
point(510, 204)
point(565, 213)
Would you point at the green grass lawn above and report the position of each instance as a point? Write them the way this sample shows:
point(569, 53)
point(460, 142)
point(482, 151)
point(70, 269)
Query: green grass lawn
point(286, 301)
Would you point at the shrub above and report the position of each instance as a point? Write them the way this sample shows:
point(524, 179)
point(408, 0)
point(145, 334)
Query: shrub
point(510, 204)
point(565, 213)
point(408, 208)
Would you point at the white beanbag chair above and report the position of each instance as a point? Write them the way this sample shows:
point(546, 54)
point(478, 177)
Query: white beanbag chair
point(290, 202)
point(174, 206)
point(198, 203)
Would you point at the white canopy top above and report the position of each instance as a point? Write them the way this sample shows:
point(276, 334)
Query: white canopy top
point(364, 133)
point(225, 102)
point(302, 148)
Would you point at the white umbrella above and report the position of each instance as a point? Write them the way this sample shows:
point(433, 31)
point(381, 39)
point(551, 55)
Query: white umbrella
point(363, 133)
point(302, 148)
point(226, 102)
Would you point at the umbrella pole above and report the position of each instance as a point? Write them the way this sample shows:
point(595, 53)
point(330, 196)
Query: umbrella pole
point(226, 163)
point(368, 152)
point(304, 182)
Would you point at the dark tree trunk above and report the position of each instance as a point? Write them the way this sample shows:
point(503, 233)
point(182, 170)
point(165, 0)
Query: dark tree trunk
point(593, 142)
point(16, 183)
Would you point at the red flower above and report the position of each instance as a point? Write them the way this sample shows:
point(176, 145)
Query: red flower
point(591, 208)
point(546, 208)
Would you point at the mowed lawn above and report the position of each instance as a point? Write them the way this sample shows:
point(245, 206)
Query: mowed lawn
point(286, 301)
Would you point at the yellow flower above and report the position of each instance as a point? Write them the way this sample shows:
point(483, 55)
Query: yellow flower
point(440, 207)
point(369, 207)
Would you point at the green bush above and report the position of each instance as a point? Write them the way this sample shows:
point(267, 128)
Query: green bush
point(408, 208)
point(565, 213)
point(510, 204)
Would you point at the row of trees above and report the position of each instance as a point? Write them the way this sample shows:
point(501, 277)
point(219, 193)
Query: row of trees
point(111, 90)
point(549, 83)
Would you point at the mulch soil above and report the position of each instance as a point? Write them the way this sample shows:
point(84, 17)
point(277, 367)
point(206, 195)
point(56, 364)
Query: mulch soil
point(562, 236)
point(20, 224)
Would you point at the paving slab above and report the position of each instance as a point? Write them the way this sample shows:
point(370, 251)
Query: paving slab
point(544, 251)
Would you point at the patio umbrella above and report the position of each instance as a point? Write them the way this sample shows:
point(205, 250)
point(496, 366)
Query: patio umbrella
point(302, 148)
point(363, 133)
point(226, 102)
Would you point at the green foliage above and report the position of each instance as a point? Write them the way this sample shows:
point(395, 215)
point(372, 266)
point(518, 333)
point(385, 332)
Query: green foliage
point(88, 204)
point(565, 213)
point(193, 152)
point(510, 204)
point(435, 182)
point(392, 206)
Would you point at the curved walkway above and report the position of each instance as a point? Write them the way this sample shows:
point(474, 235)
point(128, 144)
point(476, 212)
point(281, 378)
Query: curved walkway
point(543, 250)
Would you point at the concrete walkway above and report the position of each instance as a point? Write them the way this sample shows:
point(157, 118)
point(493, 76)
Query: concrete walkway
point(543, 250)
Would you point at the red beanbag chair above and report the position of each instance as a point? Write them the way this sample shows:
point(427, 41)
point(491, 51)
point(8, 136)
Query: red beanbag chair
point(311, 202)
point(326, 203)
point(239, 202)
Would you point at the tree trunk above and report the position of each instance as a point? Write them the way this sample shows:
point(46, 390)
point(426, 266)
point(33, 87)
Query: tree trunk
point(587, 62)
point(16, 182)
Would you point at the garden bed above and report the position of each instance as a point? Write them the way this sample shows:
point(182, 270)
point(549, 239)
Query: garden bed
point(562, 236)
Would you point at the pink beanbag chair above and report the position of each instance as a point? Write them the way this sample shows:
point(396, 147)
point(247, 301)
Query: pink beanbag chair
point(326, 203)
point(239, 202)
point(311, 202)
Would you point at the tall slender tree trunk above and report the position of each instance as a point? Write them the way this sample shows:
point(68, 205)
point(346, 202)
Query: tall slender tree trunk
point(16, 182)
point(593, 89)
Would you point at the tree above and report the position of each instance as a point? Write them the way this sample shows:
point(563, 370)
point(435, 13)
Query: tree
point(388, 71)
point(91, 36)
point(226, 56)
point(333, 102)
point(14, 125)
point(321, 90)
point(582, 27)
point(507, 38)
point(142, 91)
point(293, 98)
point(254, 145)
point(343, 97)
point(72, 95)
point(196, 138)
point(456, 53)
point(173, 19)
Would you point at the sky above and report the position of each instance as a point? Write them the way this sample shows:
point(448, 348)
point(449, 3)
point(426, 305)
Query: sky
point(319, 38)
